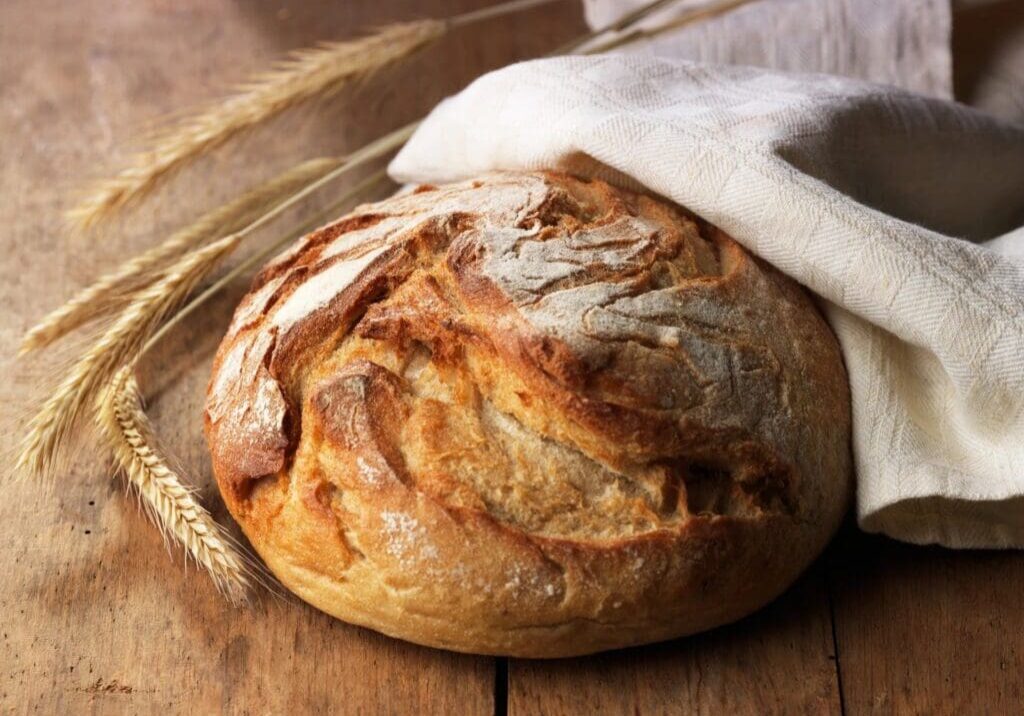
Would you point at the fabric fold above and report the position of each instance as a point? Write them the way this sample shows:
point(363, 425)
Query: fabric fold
point(865, 194)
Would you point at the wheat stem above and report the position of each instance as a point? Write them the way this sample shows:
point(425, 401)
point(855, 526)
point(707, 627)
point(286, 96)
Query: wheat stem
point(262, 255)
point(171, 504)
point(358, 158)
point(52, 426)
point(499, 10)
point(126, 428)
point(114, 289)
point(119, 410)
point(622, 23)
point(686, 18)
point(309, 73)
point(306, 74)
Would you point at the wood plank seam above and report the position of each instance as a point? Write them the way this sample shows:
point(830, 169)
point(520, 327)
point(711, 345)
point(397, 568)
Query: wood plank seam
point(501, 686)
point(835, 640)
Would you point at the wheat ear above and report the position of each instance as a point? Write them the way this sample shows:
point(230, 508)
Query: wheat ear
point(126, 428)
point(53, 425)
point(171, 505)
point(309, 73)
point(114, 289)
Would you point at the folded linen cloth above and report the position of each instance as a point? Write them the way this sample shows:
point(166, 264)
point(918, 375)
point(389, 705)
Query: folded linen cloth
point(878, 200)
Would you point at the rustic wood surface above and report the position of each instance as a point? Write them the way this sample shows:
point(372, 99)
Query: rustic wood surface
point(96, 617)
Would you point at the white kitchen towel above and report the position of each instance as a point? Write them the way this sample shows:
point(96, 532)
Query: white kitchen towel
point(876, 199)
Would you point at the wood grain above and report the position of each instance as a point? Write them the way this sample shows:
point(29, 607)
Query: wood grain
point(928, 630)
point(96, 616)
point(779, 660)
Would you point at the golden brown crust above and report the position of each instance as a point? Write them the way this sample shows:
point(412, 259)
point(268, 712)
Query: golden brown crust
point(530, 415)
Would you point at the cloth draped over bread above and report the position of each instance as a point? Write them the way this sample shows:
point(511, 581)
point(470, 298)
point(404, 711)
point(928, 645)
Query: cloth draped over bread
point(901, 213)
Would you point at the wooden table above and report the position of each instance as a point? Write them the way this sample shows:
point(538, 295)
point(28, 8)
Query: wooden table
point(96, 617)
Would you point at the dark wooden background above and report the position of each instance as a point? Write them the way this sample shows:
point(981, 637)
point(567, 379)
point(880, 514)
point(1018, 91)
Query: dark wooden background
point(96, 617)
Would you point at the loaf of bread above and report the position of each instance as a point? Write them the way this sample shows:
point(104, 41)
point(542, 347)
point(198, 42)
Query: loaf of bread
point(531, 415)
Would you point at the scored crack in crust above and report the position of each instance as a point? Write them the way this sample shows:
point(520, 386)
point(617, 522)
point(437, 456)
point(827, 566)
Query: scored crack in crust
point(531, 415)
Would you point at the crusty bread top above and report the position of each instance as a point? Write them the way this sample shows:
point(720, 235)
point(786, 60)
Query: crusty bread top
point(572, 362)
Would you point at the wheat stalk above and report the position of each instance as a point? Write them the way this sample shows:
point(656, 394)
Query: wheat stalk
point(686, 18)
point(265, 253)
point(119, 410)
point(309, 73)
point(126, 429)
point(314, 72)
point(172, 506)
point(624, 22)
point(114, 289)
point(53, 425)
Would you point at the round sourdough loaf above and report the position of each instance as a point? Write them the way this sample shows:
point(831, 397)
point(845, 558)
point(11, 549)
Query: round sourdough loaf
point(531, 415)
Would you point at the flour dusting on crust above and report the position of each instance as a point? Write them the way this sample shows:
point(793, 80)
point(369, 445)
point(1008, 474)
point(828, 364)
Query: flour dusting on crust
point(530, 414)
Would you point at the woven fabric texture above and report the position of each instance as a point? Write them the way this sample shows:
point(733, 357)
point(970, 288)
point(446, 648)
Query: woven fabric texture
point(897, 210)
